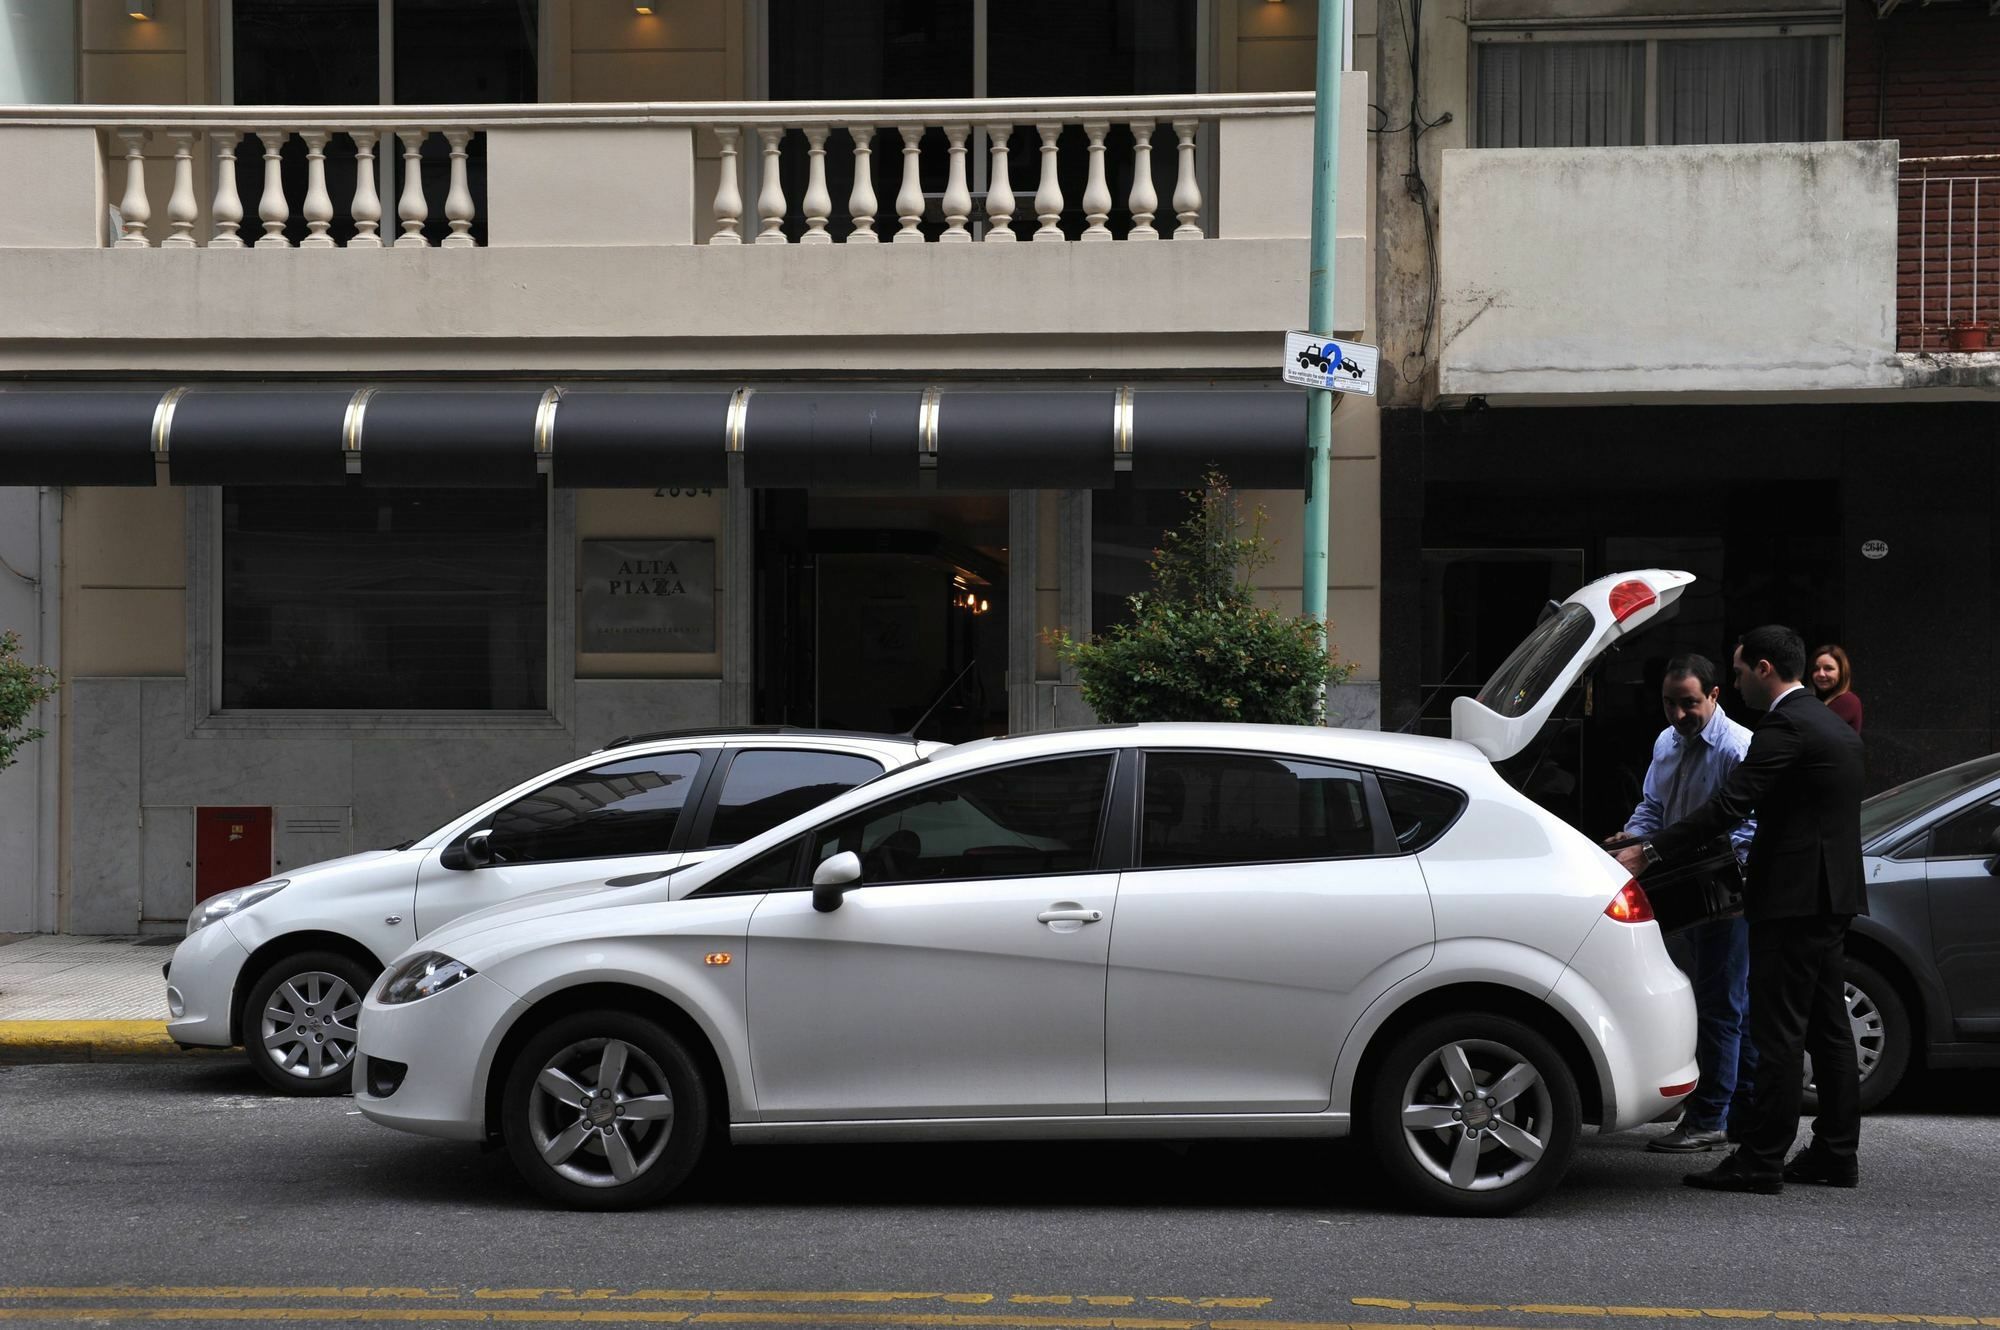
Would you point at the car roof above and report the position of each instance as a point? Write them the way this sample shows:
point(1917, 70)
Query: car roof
point(1363, 747)
point(737, 733)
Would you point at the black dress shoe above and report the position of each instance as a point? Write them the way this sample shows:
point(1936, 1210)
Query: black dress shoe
point(1822, 1169)
point(1729, 1176)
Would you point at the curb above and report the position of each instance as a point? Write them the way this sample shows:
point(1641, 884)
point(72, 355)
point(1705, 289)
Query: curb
point(84, 1041)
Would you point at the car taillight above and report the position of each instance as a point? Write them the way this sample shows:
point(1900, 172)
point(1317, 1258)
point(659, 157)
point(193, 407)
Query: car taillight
point(1630, 905)
point(1628, 598)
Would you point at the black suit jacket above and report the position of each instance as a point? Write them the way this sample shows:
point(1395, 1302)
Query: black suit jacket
point(1802, 779)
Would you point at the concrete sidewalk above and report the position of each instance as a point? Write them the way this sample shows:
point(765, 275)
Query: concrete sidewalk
point(77, 999)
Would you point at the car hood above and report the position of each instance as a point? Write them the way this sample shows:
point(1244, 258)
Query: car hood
point(570, 898)
point(334, 872)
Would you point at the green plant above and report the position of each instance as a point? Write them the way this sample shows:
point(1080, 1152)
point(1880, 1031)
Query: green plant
point(23, 687)
point(1199, 647)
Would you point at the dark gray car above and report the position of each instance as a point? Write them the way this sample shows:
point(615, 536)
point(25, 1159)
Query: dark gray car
point(1923, 967)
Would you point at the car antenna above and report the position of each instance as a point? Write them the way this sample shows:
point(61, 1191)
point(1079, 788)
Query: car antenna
point(1431, 696)
point(911, 733)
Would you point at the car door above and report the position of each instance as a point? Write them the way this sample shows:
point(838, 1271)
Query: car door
point(754, 789)
point(1270, 903)
point(1965, 915)
point(618, 816)
point(963, 975)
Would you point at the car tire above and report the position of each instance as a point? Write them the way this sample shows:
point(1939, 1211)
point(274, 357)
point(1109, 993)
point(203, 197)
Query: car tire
point(1880, 1020)
point(299, 1021)
point(570, 1111)
point(1416, 1112)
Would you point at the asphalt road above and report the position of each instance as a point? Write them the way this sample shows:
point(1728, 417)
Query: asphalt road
point(179, 1192)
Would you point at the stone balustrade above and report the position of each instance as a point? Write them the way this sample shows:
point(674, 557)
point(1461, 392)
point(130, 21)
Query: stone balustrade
point(1081, 169)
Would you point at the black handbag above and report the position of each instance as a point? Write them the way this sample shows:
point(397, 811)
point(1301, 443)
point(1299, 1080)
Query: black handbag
point(1697, 889)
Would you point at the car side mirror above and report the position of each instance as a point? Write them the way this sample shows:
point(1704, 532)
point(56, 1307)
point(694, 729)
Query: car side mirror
point(1993, 844)
point(476, 851)
point(832, 878)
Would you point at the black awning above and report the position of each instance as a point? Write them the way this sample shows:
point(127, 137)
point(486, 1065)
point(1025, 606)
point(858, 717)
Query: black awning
point(478, 439)
point(77, 438)
point(616, 440)
point(258, 438)
point(1256, 439)
point(1026, 440)
point(805, 440)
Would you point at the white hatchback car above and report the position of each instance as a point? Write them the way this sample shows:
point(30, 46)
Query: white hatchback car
point(280, 966)
point(1148, 931)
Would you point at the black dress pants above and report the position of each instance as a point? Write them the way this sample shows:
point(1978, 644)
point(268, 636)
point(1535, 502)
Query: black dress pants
point(1797, 1006)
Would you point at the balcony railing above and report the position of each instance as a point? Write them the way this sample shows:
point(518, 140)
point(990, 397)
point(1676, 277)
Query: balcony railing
point(1948, 253)
point(1078, 169)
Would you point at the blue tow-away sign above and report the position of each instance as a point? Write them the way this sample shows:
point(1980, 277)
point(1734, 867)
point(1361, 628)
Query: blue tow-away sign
point(1322, 362)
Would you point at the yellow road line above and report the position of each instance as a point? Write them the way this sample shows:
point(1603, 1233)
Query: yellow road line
point(1675, 1313)
point(83, 1038)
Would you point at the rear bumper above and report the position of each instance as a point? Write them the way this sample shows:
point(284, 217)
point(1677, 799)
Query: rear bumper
point(446, 1042)
point(201, 983)
point(1638, 1009)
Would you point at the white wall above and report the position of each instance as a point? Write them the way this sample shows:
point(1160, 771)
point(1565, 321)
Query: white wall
point(1759, 268)
point(26, 873)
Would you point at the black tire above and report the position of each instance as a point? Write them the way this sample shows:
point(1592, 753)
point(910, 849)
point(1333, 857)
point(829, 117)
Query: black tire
point(1881, 1038)
point(1420, 1164)
point(655, 1067)
point(299, 1020)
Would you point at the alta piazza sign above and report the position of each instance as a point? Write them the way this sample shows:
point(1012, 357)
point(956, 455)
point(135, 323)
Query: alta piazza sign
point(648, 595)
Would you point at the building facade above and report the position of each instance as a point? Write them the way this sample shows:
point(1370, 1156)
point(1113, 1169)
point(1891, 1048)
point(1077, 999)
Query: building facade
point(398, 397)
point(1709, 286)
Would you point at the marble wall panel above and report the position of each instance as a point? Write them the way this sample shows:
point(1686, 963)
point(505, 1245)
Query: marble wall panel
point(167, 858)
point(607, 708)
point(408, 785)
point(237, 768)
point(106, 858)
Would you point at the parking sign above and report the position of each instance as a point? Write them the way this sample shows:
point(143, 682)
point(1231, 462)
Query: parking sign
point(1322, 362)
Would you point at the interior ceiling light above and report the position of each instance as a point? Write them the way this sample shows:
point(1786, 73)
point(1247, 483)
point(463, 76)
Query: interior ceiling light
point(139, 9)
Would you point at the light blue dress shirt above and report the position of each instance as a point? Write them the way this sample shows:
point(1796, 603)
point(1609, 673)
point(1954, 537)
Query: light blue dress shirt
point(1671, 793)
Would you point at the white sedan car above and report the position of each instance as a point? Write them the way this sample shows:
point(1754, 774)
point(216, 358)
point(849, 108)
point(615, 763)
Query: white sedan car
point(1149, 931)
point(280, 966)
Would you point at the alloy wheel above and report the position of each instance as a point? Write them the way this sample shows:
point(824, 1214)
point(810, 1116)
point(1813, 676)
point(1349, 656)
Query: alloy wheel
point(308, 1025)
point(600, 1112)
point(1476, 1115)
point(1871, 1035)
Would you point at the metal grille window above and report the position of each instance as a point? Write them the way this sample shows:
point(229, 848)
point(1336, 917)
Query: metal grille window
point(384, 599)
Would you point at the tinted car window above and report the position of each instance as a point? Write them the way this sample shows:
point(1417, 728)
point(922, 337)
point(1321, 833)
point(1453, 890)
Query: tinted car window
point(624, 807)
point(767, 786)
point(1968, 833)
point(1018, 821)
point(1526, 675)
point(772, 870)
point(1238, 808)
point(1418, 810)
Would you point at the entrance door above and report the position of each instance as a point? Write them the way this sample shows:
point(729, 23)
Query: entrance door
point(1965, 916)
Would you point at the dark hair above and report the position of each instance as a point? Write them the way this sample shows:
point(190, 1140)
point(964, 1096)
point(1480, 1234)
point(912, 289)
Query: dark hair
point(1845, 680)
point(1693, 666)
point(1774, 642)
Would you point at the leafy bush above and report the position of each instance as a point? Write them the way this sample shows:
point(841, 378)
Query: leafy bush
point(1199, 647)
point(23, 687)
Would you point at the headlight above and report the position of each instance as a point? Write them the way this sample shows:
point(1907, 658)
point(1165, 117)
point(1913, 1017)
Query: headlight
point(232, 902)
point(421, 975)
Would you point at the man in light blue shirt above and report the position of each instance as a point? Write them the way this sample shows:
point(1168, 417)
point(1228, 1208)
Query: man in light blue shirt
point(1693, 755)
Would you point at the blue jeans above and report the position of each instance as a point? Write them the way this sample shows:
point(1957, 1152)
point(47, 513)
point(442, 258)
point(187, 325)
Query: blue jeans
point(1719, 964)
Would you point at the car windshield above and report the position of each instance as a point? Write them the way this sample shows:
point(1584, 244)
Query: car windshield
point(1884, 812)
point(1526, 675)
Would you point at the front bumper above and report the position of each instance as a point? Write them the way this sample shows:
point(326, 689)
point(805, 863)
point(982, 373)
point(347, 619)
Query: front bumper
point(201, 984)
point(446, 1041)
point(1639, 1010)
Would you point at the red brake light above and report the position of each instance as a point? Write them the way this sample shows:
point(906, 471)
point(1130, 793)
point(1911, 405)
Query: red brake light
point(1628, 598)
point(1630, 905)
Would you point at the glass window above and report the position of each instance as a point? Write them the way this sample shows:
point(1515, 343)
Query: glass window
point(1018, 821)
point(1418, 810)
point(1238, 808)
point(774, 870)
point(306, 53)
point(1744, 90)
point(1968, 834)
point(1562, 94)
point(626, 807)
point(1884, 812)
point(1098, 48)
point(767, 786)
point(384, 599)
point(1526, 675)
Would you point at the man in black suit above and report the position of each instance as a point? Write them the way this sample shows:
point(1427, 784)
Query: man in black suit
point(1802, 780)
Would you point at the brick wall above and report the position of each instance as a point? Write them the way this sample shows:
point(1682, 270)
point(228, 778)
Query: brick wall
point(1929, 76)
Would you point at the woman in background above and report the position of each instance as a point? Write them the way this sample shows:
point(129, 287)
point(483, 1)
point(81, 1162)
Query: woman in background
point(1833, 681)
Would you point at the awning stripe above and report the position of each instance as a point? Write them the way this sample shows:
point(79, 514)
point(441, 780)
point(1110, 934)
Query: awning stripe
point(1256, 439)
point(77, 437)
point(611, 440)
point(283, 437)
point(1052, 440)
point(803, 440)
point(462, 439)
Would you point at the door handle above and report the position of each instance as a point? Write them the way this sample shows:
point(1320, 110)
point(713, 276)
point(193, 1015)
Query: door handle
point(1069, 915)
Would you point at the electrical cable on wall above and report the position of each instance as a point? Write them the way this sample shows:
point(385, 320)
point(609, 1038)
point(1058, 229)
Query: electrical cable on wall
point(1413, 179)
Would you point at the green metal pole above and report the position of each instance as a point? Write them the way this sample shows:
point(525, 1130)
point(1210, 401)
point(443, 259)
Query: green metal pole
point(1319, 314)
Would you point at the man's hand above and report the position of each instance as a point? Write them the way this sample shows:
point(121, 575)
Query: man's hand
point(1632, 859)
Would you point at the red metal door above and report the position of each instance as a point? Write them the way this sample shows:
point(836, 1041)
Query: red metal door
point(232, 848)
